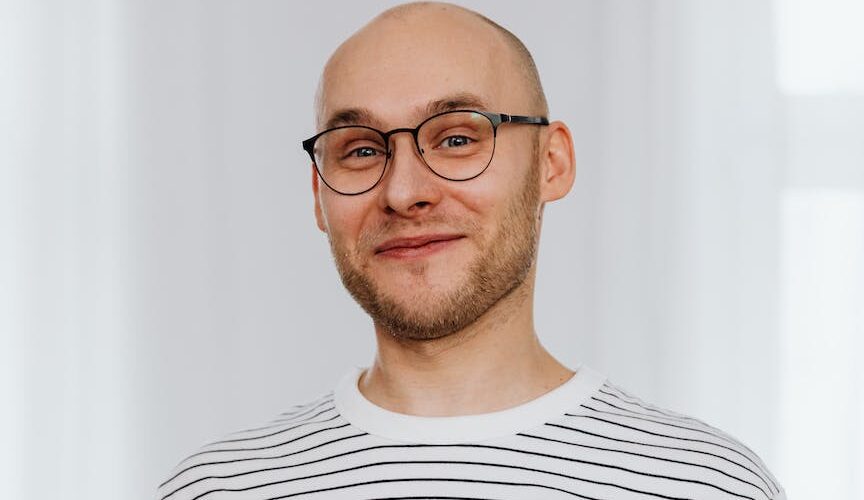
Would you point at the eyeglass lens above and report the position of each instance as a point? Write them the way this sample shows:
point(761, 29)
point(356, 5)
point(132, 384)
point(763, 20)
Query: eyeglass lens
point(456, 146)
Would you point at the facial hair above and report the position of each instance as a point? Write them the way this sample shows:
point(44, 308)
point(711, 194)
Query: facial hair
point(504, 264)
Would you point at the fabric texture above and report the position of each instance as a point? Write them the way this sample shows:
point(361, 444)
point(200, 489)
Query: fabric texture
point(584, 439)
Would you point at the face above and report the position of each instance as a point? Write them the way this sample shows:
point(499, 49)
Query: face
point(425, 256)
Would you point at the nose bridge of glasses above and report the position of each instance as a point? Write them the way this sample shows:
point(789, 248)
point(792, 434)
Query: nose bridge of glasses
point(389, 134)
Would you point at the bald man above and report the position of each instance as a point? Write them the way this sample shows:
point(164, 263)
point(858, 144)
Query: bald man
point(431, 167)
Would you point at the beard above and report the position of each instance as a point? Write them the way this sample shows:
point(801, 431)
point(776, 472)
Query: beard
point(505, 261)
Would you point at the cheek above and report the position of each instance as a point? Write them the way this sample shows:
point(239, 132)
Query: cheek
point(482, 204)
point(339, 221)
point(492, 192)
point(343, 216)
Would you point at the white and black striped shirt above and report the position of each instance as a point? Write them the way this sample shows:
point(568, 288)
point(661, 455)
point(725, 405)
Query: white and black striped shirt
point(586, 439)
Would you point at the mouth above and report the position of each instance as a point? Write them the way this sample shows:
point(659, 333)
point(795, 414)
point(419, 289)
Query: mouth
point(417, 246)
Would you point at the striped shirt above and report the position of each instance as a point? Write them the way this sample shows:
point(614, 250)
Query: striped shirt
point(586, 439)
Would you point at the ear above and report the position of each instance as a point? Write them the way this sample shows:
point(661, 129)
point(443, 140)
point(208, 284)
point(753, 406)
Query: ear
point(316, 192)
point(557, 162)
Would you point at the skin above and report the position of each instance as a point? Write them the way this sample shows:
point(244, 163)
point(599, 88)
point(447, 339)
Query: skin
point(393, 68)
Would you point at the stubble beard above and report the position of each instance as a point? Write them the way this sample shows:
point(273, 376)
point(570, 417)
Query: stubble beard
point(504, 265)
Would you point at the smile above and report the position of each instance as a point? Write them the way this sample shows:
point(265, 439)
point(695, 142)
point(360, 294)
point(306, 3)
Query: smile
point(418, 246)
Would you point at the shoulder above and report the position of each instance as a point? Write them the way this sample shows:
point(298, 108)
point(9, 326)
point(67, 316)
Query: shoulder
point(671, 451)
point(247, 451)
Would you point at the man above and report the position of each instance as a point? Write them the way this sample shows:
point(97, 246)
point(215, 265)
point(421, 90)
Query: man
point(431, 168)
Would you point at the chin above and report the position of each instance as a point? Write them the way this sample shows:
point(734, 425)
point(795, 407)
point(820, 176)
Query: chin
point(422, 295)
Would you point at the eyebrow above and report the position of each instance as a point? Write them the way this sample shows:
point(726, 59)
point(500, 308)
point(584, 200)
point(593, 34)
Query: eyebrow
point(461, 100)
point(351, 116)
point(363, 116)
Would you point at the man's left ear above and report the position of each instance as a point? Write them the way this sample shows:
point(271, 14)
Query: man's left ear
point(557, 162)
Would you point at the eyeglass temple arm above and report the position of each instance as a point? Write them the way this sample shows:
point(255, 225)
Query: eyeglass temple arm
point(535, 120)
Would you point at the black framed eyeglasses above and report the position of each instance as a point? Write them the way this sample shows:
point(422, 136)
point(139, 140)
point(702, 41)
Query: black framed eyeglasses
point(456, 145)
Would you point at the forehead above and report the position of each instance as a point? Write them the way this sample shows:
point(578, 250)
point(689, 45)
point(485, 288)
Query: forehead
point(397, 69)
point(363, 116)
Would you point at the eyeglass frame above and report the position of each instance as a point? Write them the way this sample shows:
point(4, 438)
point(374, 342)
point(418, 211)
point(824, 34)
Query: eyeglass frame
point(495, 119)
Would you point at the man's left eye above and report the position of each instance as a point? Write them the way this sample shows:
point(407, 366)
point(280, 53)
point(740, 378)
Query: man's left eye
point(456, 141)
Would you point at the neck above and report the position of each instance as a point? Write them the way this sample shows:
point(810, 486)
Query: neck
point(495, 363)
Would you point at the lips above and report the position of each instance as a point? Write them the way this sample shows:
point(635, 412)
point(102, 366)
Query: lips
point(415, 242)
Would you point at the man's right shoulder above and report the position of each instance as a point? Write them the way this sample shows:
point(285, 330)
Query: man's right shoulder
point(297, 429)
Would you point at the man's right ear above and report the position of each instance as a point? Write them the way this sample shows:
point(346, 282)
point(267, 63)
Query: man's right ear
point(316, 192)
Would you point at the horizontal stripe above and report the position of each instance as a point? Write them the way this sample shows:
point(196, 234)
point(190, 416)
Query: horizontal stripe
point(596, 443)
point(418, 449)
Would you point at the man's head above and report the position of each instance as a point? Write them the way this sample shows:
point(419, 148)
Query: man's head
point(423, 255)
point(507, 49)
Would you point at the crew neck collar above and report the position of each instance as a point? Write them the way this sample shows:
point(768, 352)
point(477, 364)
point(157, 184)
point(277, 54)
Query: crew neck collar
point(367, 416)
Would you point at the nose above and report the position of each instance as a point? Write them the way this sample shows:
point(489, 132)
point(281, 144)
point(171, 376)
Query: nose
point(409, 188)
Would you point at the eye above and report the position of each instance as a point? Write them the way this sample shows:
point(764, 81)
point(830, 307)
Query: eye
point(456, 141)
point(363, 152)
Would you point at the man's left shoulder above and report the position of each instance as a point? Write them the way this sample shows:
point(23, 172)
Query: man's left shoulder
point(673, 452)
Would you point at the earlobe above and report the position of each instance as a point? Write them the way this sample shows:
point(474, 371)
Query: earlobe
point(316, 193)
point(558, 162)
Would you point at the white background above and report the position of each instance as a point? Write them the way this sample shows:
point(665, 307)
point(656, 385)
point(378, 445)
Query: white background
point(162, 281)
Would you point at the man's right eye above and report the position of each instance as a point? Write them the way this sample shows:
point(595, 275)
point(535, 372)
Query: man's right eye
point(363, 152)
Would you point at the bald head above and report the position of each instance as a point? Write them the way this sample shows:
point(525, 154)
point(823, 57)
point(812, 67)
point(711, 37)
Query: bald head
point(420, 28)
point(517, 51)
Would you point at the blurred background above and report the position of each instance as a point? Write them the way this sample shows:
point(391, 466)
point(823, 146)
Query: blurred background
point(162, 281)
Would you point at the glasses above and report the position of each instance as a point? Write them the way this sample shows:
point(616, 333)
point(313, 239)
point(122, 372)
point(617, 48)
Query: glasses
point(455, 145)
